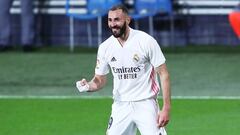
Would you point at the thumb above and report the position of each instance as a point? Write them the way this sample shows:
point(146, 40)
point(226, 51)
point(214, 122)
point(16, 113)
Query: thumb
point(83, 82)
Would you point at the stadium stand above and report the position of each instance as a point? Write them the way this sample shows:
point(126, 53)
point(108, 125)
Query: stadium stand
point(194, 7)
point(190, 17)
point(205, 7)
point(205, 21)
point(143, 9)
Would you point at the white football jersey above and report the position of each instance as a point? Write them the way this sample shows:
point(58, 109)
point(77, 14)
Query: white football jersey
point(132, 65)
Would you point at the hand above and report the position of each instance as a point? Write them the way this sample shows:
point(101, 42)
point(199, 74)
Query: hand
point(163, 118)
point(82, 85)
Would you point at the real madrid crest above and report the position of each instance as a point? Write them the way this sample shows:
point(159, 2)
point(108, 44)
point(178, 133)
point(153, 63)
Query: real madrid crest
point(135, 58)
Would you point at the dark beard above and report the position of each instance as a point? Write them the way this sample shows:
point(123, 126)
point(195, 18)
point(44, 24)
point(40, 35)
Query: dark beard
point(122, 31)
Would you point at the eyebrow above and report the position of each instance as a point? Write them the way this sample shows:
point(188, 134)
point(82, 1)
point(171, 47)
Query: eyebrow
point(115, 18)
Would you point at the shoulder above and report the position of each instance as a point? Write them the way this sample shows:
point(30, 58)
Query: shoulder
point(144, 39)
point(142, 35)
point(106, 44)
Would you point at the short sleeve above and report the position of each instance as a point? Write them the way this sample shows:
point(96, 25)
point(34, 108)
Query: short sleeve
point(102, 67)
point(156, 56)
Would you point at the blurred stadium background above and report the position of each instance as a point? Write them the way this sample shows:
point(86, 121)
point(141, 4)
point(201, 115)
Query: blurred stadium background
point(187, 22)
point(37, 90)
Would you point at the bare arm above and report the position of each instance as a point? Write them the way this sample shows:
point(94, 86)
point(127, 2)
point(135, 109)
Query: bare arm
point(164, 115)
point(97, 82)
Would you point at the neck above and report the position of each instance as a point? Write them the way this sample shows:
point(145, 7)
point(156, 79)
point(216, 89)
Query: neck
point(124, 37)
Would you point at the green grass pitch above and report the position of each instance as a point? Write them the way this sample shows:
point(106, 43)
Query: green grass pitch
point(90, 117)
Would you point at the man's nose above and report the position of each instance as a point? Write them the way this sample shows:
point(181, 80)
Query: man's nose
point(112, 24)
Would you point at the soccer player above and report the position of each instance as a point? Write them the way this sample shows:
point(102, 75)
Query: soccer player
point(135, 59)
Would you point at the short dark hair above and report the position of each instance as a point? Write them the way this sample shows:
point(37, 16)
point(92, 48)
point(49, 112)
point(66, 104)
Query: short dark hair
point(120, 6)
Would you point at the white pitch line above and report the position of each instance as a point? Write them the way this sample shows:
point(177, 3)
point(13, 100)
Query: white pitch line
point(51, 97)
point(206, 97)
point(104, 97)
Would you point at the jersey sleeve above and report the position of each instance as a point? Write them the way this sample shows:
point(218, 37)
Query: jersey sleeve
point(156, 56)
point(102, 67)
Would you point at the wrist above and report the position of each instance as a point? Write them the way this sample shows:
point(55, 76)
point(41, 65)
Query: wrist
point(166, 107)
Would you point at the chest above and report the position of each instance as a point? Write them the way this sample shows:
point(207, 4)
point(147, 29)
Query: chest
point(128, 56)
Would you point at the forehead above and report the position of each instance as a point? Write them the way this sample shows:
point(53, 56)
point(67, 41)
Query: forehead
point(116, 13)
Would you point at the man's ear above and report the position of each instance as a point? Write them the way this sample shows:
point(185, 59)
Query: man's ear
point(128, 19)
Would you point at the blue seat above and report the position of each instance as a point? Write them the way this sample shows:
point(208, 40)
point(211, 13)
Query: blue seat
point(94, 9)
point(149, 8)
point(165, 6)
point(146, 8)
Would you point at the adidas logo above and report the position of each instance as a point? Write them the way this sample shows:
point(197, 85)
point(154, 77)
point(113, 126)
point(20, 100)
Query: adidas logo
point(113, 59)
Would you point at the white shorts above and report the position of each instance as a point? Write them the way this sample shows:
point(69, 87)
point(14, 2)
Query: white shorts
point(127, 117)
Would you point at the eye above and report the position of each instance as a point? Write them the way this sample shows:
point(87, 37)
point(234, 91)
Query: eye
point(116, 19)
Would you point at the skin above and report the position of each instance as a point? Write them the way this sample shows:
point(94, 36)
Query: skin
point(118, 22)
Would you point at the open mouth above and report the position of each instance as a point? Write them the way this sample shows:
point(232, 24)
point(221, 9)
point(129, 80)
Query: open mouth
point(115, 29)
